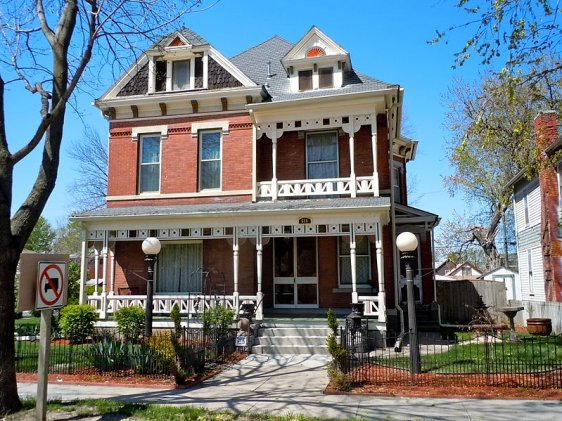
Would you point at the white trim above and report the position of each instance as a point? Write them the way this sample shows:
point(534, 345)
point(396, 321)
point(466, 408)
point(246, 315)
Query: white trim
point(223, 125)
point(142, 130)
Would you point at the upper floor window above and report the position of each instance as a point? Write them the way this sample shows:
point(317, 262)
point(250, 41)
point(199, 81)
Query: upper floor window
point(149, 171)
point(526, 210)
point(322, 155)
point(466, 271)
point(180, 75)
point(210, 160)
point(305, 80)
point(326, 77)
point(397, 183)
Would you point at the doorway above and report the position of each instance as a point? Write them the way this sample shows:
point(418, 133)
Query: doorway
point(295, 281)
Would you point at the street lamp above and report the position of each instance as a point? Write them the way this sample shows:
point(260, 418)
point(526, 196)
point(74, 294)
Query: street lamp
point(151, 247)
point(407, 243)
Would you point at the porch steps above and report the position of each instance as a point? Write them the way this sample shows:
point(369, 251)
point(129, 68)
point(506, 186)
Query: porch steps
point(291, 338)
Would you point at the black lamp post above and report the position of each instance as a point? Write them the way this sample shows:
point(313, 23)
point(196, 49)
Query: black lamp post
point(407, 243)
point(151, 247)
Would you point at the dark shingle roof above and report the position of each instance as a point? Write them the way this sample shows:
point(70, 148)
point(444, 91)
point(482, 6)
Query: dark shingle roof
point(220, 78)
point(253, 62)
point(138, 85)
point(221, 209)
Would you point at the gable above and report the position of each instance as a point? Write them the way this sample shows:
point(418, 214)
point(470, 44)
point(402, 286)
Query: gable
point(315, 44)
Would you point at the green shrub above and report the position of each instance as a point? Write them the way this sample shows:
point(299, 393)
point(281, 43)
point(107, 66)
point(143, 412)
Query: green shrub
point(161, 344)
point(109, 354)
point(77, 322)
point(217, 322)
point(130, 322)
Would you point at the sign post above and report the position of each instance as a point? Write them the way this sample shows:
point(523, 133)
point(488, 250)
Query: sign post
point(51, 293)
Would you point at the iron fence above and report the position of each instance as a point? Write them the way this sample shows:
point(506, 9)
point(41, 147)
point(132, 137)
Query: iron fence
point(476, 359)
point(109, 353)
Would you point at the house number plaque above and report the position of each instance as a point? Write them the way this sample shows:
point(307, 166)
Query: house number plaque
point(305, 220)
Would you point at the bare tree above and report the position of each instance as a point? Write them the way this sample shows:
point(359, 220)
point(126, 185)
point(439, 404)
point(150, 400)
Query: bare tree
point(89, 188)
point(46, 48)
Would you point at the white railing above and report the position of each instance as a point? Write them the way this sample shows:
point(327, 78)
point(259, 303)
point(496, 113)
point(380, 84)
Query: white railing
point(162, 304)
point(317, 187)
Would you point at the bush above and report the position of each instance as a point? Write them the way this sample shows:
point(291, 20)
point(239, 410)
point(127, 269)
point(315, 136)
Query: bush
point(109, 355)
point(130, 322)
point(336, 367)
point(77, 322)
point(217, 322)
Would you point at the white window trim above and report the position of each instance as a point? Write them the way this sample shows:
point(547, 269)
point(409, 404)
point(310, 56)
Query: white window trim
point(152, 163)
point(340, 256)
point(222, 125)
point(199, 178)
point(162, 130)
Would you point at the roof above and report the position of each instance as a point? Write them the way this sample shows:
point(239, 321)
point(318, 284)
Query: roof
point(363, 203)
point(254, 63)
point(193, 38)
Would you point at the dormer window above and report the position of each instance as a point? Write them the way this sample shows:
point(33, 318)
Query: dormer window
point(326, 77)
point(180, 75)
point(305, 80)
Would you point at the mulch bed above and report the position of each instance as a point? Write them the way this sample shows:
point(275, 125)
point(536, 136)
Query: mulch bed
point(130, 379)
point(397, 383)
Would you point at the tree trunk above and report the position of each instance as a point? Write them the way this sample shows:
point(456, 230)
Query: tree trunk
point(9, 400)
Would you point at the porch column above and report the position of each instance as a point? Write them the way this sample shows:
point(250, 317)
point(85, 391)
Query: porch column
point(104, 279)
point(353, 181)
point(259, 252)
point(374, 143)
point(96, 270)
point(353, 258)
point(83, 267)
point(274, 165)
point(380, 276)
point(235, 260)
point(112, 270)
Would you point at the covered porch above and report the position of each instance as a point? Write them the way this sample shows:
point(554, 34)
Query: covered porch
point(236, 255)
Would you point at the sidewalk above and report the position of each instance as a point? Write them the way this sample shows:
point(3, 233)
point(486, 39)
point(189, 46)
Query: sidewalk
point(293, 384)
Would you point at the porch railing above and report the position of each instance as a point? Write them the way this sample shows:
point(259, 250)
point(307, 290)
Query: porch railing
point(316, 187)
point(191, 304)
point(374, 306)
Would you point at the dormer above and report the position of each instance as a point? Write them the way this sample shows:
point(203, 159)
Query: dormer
point(176, 64)
point(316, 62)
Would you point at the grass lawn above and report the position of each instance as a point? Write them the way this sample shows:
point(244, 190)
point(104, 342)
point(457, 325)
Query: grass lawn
point(136, 411)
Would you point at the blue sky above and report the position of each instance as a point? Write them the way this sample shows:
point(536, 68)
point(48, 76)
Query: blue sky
point(386, 40)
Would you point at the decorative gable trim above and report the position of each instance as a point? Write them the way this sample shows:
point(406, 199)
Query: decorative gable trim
point(314, 41)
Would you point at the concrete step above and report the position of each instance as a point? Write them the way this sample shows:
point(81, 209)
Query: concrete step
point(291, 340)
point(290, 349)
point(283, 331)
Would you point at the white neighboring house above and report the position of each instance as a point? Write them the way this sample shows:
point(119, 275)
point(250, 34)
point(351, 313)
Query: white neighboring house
point(511, 280)
point(527, 205)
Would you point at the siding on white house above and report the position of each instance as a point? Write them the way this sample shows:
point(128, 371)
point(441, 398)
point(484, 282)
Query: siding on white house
point(530, 195)
point(531, 291)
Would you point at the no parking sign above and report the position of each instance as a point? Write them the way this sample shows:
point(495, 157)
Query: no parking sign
point(51, 285)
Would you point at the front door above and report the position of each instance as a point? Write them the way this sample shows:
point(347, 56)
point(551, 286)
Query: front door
point(295, 280)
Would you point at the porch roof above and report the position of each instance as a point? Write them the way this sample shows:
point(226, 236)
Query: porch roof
point(244, 208)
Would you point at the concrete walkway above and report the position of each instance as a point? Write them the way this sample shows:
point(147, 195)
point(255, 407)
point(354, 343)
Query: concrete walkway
point(294, 384)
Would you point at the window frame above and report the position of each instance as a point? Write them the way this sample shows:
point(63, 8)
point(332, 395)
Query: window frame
point(320, 75)
point(188, 68)
point(337, 160)
point(200, 135)
point(301, 77)
point(347, 257)
point(397, 181)
point(142, 164)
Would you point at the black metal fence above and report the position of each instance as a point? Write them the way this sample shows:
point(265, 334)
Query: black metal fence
point(108, 353)
point(473, 359)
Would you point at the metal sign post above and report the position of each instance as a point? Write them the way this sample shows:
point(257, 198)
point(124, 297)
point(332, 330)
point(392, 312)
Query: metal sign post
point(43, 364)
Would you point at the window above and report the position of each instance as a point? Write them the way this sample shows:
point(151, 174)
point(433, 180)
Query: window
point(180, 75)
point(177, 268)
point(210, 160)
point(526, 209)
point(363, 258)
point(305, 80)
point(530, 271)
point(322, 155)
point(466, 271)
point(326, 77)
point(397, 183)
point(149, 172)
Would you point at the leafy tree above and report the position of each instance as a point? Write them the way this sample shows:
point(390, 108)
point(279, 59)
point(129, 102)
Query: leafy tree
point(89, 189)
point(42, 237)
point(492, 142)
point(46, 49)
point(69, 239)
point(521, 32)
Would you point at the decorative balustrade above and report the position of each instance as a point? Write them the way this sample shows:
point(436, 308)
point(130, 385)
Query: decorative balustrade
point(317, 187)
point(162, 304)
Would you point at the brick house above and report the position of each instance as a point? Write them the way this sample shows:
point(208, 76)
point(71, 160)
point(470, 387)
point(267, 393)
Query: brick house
point(276, 177)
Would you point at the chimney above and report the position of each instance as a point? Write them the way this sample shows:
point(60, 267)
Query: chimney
point(546, 129)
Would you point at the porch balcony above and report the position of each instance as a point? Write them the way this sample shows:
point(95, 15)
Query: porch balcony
point(191, 305)
point(343, 187)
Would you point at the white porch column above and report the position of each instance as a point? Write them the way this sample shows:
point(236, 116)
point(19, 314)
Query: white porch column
point(353, 181)
point(380, 275)
point(104, 279)
point(274, 165)
point(353, 258)
point(83, 267)
point(112, 270)
point(374, 143)
point(96, 270)
point(235, 260)
point(259, 252)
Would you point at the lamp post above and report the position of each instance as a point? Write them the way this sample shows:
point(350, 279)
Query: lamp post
point(407, 243)
point(151, 247)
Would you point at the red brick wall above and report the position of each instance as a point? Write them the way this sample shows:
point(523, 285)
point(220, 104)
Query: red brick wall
point(546, 134)
point(383, 155)
point(129, 260)
point(179, 159)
